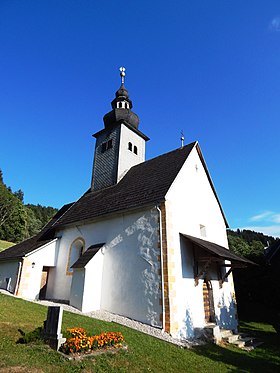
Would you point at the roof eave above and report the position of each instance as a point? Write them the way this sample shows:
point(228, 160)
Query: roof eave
point(109, 214)
point(227, 256)
point(11, 258)
point(141, 134)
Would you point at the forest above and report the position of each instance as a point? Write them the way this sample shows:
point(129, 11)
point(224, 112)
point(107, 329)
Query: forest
point(17, 220)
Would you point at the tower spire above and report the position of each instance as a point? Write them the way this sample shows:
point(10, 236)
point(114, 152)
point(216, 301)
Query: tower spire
point(119, 145)
point(121, 106)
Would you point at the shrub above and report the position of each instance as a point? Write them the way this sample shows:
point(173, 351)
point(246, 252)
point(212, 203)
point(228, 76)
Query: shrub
point(79, 341)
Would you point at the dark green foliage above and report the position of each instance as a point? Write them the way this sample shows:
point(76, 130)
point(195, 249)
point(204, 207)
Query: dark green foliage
point(249, 236)
point(238, 245)
point(18, 221)
point(257, 287)
point(42, 213)
point(249, 244)
point(12, 216)
point(19, 194)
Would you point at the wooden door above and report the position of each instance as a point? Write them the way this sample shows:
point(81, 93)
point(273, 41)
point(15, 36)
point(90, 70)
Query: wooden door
point(44, 282)
point(208, 301)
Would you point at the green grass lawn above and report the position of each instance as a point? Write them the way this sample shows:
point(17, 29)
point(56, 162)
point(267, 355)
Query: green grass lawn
point(5, 244)
point(144, 354)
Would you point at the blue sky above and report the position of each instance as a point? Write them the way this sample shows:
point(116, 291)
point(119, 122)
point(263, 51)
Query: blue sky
point(209, 68)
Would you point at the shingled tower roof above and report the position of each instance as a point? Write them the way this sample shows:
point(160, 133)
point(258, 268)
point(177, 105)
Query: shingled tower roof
point(121, 106)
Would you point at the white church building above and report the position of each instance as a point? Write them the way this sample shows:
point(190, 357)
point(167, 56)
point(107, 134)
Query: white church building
point(147, 241)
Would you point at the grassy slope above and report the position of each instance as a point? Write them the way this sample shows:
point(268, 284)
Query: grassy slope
point(145, 353)
point(5, 244)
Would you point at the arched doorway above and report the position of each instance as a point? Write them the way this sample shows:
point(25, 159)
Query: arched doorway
point(208, 300)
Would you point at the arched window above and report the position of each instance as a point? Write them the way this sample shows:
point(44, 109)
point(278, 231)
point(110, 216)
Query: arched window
point(75, 251)
point(130, 146)
point(106, 145)
point(135, 149)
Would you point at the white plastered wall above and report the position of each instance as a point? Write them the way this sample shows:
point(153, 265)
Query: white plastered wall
point(8, 270)
point(130, 277)
point(86, 285)
point(31, 275)
point(77, 288)
point(93, 283)
point(190, 203)
point(127, 158)
point(60, 278)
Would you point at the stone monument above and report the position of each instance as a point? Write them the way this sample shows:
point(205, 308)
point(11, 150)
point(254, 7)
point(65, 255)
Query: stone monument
point(52, 327)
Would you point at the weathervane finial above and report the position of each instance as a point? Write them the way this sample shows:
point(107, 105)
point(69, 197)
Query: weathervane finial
point(122, 73)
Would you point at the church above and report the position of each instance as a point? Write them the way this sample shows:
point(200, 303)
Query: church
point(147, 240)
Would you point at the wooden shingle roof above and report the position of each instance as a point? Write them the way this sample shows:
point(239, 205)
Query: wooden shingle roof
point(144, 184)
point(217, 250)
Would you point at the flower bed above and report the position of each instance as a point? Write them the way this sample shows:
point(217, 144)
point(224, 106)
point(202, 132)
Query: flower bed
point(79, 341)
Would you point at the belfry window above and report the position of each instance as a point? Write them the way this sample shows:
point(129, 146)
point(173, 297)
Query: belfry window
point(132, 148)
point(122, 105)
point(106, 145)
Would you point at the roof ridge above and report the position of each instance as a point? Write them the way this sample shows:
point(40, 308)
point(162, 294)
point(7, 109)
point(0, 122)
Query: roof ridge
point(191, 144)
point(72, 204)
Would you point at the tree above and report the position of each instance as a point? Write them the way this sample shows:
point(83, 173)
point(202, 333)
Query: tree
point(19, 221)
point(42, 213)
point(7, 208)
point(249, 244)
point(33, 224)
point(238, 245)
point(19, 194)
point(257, 251)
point(12, 216)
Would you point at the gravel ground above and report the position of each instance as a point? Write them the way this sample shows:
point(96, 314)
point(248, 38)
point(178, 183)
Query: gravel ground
point(107, 316)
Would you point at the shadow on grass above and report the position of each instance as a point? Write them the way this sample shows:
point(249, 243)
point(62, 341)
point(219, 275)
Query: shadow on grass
point(265, 358)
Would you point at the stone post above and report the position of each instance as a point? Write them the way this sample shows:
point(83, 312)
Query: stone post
point(52, 327)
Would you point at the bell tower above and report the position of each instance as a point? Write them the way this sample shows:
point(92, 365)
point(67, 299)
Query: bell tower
point(119, 145)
